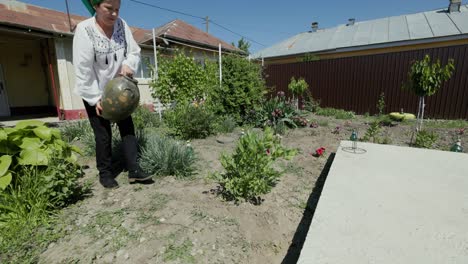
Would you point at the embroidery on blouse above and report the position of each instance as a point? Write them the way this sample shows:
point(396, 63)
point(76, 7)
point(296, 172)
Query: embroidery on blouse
point(103, 45)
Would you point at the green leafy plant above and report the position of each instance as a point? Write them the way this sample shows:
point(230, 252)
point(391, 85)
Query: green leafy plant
point(225, 124)
point(425, 139)
point(181, 79)
point(31, 143)
point(75, 130)
point(248, 171)
point(297, 88)
point(144, 118)
point(310, 104)
point(242, 88)
point(381, 104)
point(372, 132)
point(164, 156)
point(424, 79)
point(188, 121)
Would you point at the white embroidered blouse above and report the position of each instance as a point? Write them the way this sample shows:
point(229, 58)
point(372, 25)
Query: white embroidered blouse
point(97, 59)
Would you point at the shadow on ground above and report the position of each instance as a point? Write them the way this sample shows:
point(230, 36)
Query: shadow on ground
point(301, 232)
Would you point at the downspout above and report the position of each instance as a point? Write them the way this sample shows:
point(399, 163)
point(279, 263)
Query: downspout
point(54, 87)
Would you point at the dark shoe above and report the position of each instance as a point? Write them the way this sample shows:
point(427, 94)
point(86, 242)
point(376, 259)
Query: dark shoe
point(138, 176)
point(108, 182)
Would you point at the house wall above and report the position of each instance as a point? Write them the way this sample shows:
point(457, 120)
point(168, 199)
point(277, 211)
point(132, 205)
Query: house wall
point(355, 83)
point(24, 71)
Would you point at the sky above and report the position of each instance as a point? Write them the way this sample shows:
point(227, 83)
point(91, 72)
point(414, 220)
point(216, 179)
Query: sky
point(263, 23)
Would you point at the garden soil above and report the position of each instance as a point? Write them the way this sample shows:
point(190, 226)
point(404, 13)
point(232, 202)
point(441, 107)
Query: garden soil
point(185, 221)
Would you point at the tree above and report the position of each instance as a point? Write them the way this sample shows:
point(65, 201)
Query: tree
point(243, 44)
point(425, 79)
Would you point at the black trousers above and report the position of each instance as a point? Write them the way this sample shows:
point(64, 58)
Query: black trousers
point(103, 136)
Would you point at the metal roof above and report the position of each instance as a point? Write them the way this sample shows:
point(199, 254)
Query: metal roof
point(398, 30)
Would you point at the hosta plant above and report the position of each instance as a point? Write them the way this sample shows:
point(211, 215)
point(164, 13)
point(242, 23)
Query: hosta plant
point(31, 143)
point(249, 171)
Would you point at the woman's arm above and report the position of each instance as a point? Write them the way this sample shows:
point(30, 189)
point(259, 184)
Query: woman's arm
point(87, 85)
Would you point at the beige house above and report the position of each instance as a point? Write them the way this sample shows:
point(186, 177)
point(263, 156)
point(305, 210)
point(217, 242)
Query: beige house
point(36, 71)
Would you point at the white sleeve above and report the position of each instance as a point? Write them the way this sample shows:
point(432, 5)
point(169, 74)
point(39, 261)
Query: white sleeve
point(133, 50)
point(87, 85)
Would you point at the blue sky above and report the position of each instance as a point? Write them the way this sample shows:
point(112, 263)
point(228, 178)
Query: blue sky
point(262, 22)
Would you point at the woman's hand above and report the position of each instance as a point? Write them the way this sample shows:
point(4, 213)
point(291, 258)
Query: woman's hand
point(99, 108)
point(126, 71)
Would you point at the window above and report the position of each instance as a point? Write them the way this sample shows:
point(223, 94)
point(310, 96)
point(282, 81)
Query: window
point(146, 65)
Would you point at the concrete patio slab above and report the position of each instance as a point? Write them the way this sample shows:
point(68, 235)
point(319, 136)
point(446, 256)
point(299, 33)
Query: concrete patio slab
point(394, 205)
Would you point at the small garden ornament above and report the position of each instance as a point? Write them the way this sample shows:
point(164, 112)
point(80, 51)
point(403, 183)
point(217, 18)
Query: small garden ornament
point(457, 147)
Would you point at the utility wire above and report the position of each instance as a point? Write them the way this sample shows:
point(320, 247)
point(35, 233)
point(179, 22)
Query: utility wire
point(166, 9)
point(225, 28)
point(199, 17)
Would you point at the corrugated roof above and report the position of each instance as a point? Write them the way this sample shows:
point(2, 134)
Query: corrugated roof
point(16, 13)
point(395, 30)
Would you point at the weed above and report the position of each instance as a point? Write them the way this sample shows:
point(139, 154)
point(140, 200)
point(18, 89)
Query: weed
point(372, 132)
point(180, 252)
point(381, 104)
point(425, 139)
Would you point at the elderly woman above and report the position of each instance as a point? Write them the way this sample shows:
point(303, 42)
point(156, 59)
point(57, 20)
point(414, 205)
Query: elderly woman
point(103, 47)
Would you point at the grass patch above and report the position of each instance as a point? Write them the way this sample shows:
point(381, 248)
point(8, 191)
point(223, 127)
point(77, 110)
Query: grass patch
point(336, 113)
point(445, 123)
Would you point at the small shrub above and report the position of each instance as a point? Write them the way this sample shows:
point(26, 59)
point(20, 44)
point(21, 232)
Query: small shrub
point(310, 104)
point(164, 156)
point(76, 130)
point(372, 132)
point(226, 124)
point(188, 121)
point(144, 118)
point(425, 139)
point(248, 171)
point(381, 104)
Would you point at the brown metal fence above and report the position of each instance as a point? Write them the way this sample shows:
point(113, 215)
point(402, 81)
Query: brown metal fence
point(355, 83)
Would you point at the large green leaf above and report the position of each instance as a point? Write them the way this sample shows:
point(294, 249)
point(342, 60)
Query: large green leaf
point(29, 123)
point(43, 132)
point(31, 143)
point(5, 162)
point(33, 157)
point(5, 180)
point(56, 133)
point(3, 135)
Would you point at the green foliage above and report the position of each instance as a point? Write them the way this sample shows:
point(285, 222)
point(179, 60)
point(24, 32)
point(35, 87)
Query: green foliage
point(248, 171)
point(372, 132)
point(298, 87)
point(144, 118)
point(75, 130)
point(337, 113)
point(31, 143)
point(381, 104)
point(425, 78)
point(164, 156)
point(310, 57)
point(242, 89)
point(181, 79)
point(243, 45)
point(425, 139)
point(225, 124)
point(188, 121)
point(310, 104)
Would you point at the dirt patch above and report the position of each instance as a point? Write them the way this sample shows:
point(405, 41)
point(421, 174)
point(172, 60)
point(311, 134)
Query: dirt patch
point(182, 221)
